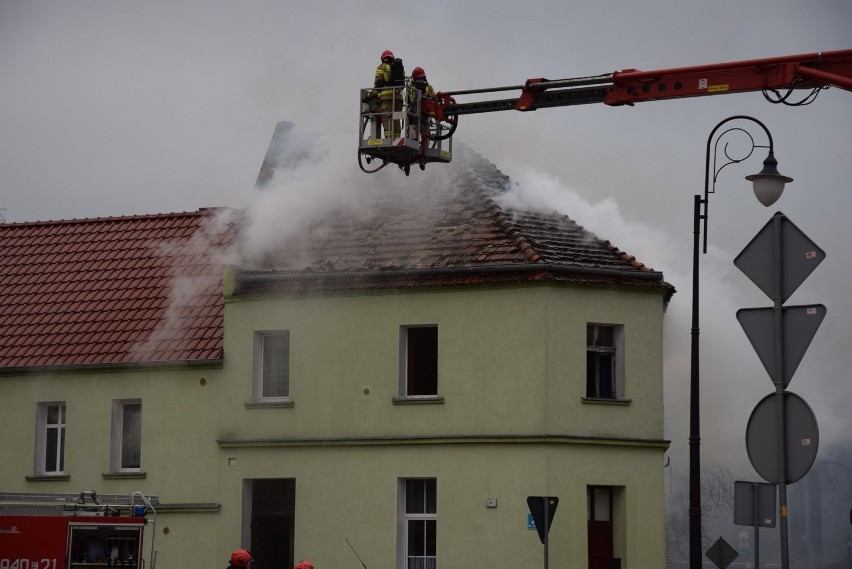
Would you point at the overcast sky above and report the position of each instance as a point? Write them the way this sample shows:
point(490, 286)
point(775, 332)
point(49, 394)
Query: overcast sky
point(118, 108)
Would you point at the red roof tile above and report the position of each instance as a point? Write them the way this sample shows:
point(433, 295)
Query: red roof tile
point(103, 291)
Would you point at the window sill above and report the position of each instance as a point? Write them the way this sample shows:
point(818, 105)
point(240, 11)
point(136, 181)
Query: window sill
point(595, 400)
point(269, 404)
point(124, 475)
point(48, 478)
point(427, 400)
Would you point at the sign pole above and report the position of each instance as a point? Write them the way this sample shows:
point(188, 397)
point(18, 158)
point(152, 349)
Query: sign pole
point(542, 515)
point(546, 529)
point(778, 301)
point(754, 485)
point(778, 260)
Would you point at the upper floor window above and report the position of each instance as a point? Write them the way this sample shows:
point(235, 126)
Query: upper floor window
point(604, 361)
point(272, 366)
point(126, 451)
point(418, 361)
point(50, 439)
point(419, 521)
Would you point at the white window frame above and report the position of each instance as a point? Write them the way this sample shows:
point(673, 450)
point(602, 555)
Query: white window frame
point(260, 337)
point(117, 441)
point(42, 429)
point(403, 519)
point(403, 362)
point(618, 376)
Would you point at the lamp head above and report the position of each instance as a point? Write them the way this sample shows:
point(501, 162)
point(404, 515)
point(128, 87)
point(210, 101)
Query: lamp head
point(768, 183)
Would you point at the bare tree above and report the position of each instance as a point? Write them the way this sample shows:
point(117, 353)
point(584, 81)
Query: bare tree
point(717, 498)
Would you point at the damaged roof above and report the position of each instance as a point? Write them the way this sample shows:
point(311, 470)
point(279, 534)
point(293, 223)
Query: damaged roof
point(445, 226)
point(148, 289)
point(112, 291)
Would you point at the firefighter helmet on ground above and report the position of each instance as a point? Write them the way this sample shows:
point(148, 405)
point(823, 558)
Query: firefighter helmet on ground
point(417, 73)
point(304, 565)
point(241, 558)
point(387, 54)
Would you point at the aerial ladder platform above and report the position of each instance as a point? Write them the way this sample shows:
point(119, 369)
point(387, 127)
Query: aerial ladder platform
point(427, 125)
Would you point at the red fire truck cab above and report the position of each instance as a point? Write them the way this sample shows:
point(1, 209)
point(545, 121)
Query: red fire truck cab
point(83, 533)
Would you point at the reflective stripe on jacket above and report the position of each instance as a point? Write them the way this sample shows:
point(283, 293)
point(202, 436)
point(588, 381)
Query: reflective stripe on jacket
point(427, 92)
point(383, 77)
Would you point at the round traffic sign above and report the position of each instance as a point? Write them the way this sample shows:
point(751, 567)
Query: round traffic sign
point(801, 440)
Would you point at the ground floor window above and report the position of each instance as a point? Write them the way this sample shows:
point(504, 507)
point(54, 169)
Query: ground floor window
point(418, 522)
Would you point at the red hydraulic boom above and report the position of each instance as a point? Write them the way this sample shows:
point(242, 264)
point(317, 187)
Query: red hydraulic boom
point(776, 77)
point(780, 79)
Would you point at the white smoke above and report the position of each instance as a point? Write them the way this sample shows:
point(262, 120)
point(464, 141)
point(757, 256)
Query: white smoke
point(726, 397)
point(301, 193)
point(313, 178)
point(194, 273)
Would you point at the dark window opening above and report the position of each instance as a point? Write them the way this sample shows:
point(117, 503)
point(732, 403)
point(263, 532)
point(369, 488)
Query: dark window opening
point(272, 522)
point(421, 370)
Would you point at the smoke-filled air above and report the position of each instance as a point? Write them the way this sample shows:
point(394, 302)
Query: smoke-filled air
point(110, 109)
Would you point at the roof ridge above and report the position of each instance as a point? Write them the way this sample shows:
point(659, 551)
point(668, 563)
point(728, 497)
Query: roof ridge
point(197, 213)
point(509, 229)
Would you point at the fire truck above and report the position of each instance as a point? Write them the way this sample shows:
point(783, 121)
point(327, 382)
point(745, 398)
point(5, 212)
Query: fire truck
point(64, 532)
point(427, 125)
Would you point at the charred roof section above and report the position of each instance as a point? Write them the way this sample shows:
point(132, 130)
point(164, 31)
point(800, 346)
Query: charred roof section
point(441, 227)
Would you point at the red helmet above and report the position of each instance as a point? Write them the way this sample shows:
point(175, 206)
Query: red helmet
point(304, 565)
point(418, 73)
point(241, 558)
point(386, 54)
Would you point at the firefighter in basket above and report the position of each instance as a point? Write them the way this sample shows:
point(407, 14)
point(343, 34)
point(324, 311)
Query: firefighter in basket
point(388, 83)
point(419, 84)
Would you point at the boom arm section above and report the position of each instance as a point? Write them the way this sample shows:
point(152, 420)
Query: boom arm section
point(807, 71)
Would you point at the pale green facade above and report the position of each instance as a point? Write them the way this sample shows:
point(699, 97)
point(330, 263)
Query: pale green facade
point(510, 422)
point(179, 452)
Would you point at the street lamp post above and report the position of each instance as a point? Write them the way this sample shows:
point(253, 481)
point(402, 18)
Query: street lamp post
point(768, 185)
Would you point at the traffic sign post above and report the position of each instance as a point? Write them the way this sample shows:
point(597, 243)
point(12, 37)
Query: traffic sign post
point(754, 505)
point(778, 259)
point(543, 509)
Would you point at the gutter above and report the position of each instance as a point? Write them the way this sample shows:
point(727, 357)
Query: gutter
point(260, 278)
point(118, 366)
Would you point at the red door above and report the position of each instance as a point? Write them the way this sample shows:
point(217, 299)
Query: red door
point(600, 545)
point(600, 527)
